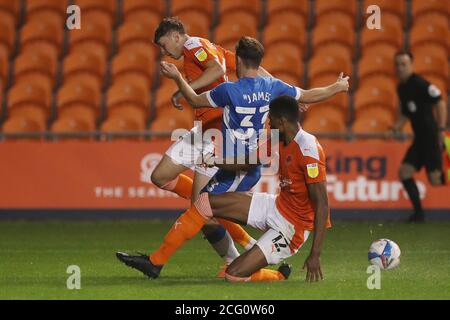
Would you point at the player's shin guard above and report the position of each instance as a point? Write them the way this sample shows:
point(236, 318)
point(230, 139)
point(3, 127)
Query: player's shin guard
point(187, 226)
point(238, 234)
point(260, 275)
point(222, 242)
point(181, 185)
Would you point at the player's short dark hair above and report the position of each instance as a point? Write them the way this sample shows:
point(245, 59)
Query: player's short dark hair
point(284, 107)
point(251, 51)
point(404, 52)
point(168, 25)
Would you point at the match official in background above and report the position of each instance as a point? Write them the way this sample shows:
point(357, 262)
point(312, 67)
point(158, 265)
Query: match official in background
point(418, 98)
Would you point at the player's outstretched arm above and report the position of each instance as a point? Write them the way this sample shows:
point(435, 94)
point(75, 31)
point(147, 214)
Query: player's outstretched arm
point(243, 163)
point(319, 94)
point(170, 71)
point(318, 195)
point(264, 73)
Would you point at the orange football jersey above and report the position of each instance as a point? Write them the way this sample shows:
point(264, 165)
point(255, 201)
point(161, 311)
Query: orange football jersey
point(302, 162)
point(197, 53)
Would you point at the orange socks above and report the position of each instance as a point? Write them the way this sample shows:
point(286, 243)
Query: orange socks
point(238, 234)
point(181, 185)
point(187, 226)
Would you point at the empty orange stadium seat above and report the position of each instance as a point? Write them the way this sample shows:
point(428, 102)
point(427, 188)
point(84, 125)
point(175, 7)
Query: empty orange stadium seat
point(379, 113)
point(227, 35)
point(429, 33)
point(439, 18)
point(240, 17)
point(130, 112)
point(7, 35)
point(387, 6)
point(326, 6)
point(284, 63)
point(145, 17)
point(164, 94)
point(43, 36)
point(386, 49)
point(277, 6)
point(326, 109)
point(139, 31)
point(370, 125)
point(80, 112)
point(4, 68)
point(337, 48)
point(121, 125)
point(127, 94)
point(283, 32)
point(252, 6)
point(30, 111)
point(324, 123)
point(196, 28)
point(13, 7)
point(327, 33)
point(24, 93)
point(428, 64)
point(105, 8)
point(100, 17)
point(93, 38)
point(374, 63)
point(180, 7)
point(78, 94)
point(47, 10)
point(293, 18)
point(285, 49)
point(68, 125)
point(21, 125)
point(380, 96)
point(423, 7)
point(336, 17)
point(388, 34)
point(34, 65)
point(377, 80)
point(131, 7)
point(174, 119)
point(83, 65)
point(128, 63)
point(326, 64)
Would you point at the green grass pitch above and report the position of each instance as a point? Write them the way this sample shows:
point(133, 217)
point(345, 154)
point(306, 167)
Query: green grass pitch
point(34, 257)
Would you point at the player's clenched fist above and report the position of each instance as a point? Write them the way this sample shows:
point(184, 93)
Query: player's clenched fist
point(342, 83)
point(169, 70)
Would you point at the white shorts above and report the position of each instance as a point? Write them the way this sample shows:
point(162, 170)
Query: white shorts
point(282, 239)
point(189, 153)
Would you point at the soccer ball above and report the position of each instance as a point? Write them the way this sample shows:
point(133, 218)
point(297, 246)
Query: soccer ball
point(384, 253)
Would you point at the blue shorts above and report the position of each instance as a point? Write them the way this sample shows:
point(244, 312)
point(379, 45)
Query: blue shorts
point(228, 181)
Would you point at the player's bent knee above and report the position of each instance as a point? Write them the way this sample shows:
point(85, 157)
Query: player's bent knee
point(435, 178)
point(405, 172)
point(158, 179)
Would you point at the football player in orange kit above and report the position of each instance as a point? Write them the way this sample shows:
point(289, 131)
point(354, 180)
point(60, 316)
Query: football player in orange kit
point(205, 66)
point(287, 218)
